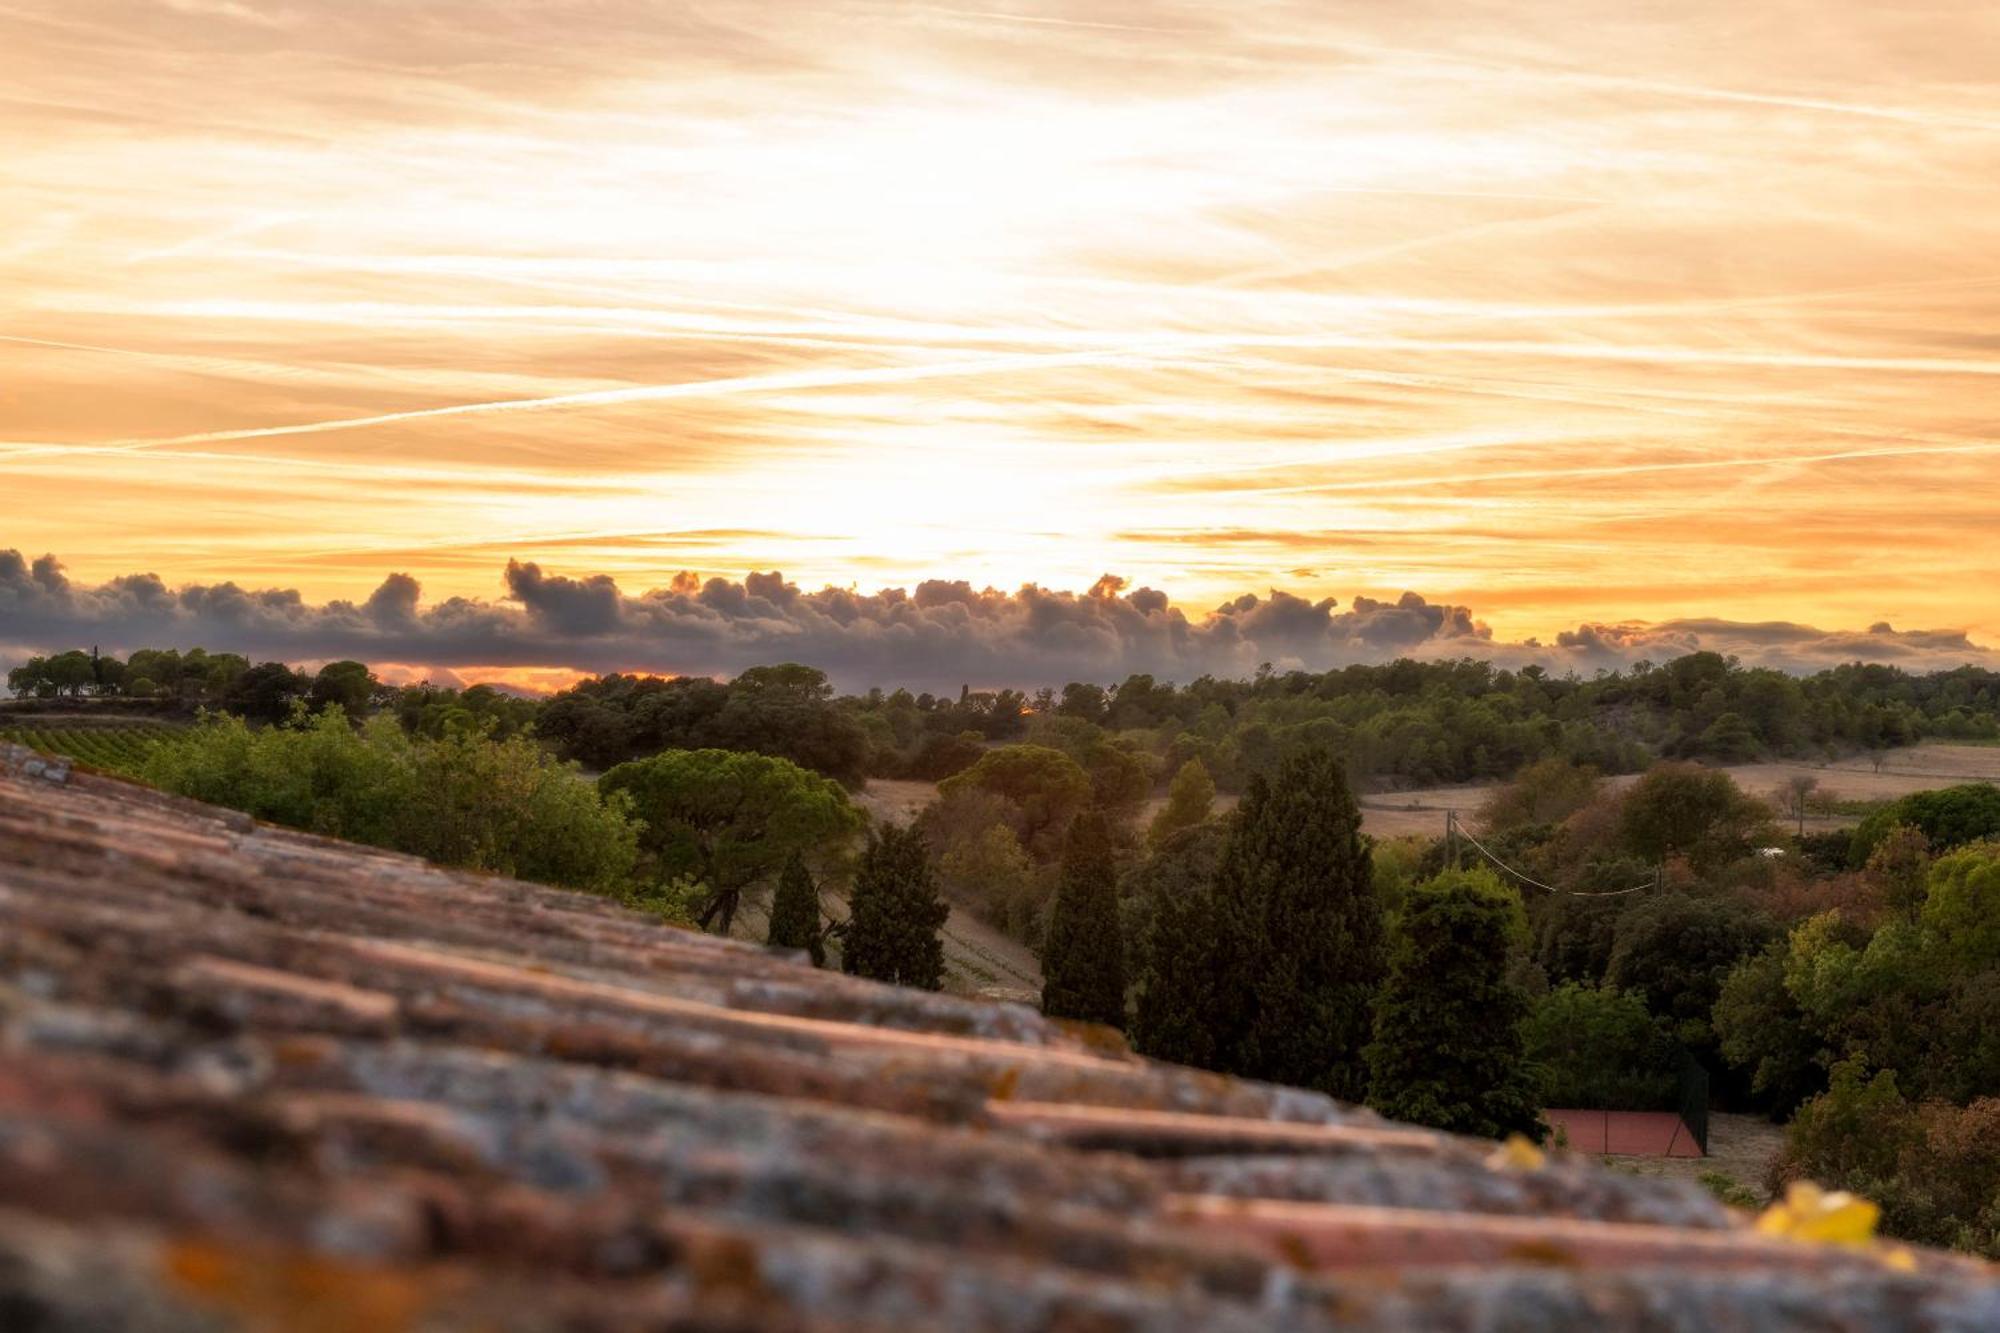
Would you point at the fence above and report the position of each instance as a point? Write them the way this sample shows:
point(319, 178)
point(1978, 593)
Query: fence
point(1694, 1100)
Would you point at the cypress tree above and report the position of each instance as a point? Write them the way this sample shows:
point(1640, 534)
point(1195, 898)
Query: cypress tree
point(1083, 965)
point(1296, 876)
point(795, 912)
point(1187, 960)
point(1190, 798)
point(1449, 1051)
point(895, 914)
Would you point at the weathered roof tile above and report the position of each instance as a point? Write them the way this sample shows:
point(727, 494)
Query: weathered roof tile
point(255, 1079)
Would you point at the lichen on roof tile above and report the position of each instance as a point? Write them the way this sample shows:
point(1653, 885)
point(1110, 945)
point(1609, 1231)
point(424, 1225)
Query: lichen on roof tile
point(253, 1079)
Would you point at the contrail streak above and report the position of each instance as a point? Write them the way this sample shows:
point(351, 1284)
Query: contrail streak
point(646, 393)
point(1628, 469)
point(1150, 350)
point(1663, 87)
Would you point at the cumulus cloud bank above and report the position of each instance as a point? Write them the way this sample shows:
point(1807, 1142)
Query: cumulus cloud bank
point(937, 635)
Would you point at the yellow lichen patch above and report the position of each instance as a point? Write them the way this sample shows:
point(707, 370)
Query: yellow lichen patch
point(1295, 1251)
point(302, 1293)
point(1097, 1038)
point(726, 1267)
point(1823, 1217)
point(1004, 1084)
point(1518, 1153)
point(302, 1052)
point(1543, 1253)
point(1900, 1258)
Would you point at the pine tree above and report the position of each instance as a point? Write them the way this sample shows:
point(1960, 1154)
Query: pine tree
point(1295, 874)
point(1190, 798)
point(1083, 965)
point(795, 912)
point(1449, 1051)
point(895, 914)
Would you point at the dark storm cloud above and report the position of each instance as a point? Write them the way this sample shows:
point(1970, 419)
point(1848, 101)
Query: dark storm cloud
point(936, 635)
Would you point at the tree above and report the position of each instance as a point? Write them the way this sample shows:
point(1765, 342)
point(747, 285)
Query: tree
point(1794, 798)
point(1761, 1030)
point(1900, 868)
point(1546, 792)
point(264, 693)
point(1676, 949)
point(1598, 1049)
point(507, 807)
point(1120, 781)
point(1190, 800)
point(895, 914)
point(731, 820)
point(1730, 739)
point(990, 873)
point(1194, 962)
point(1045, 786)
point(785, 711)
point(1574, 934)
point(1296, 872)
point(1083, 965)
point(795, 922)
point(349, 686)
point(1081, 699)
point(71, 673)
point(1448, 1047)
point(1961, 908)
point(31, 678)
point(511, 807)
point(1948, 816)
point(1695, 812)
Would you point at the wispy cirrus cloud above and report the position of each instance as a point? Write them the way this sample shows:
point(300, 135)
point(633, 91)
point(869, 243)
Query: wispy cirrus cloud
point(1516, 303)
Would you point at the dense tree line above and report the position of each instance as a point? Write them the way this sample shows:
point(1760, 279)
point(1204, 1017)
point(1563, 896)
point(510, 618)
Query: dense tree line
point(1398, 723)
point(265, 692)
point(1417, 723)
point(784, 711)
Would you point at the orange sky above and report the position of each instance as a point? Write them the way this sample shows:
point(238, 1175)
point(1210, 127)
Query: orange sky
point(1555, 309)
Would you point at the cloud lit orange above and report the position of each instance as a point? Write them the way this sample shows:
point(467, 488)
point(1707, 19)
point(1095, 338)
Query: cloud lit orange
point(1560, 311)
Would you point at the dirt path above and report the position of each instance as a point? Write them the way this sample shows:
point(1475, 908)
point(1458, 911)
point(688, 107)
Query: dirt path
point(978, 959)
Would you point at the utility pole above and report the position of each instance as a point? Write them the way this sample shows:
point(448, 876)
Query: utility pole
point(1451, 838)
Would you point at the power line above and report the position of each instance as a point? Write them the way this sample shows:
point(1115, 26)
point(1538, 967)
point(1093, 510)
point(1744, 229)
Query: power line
point(1454, 830)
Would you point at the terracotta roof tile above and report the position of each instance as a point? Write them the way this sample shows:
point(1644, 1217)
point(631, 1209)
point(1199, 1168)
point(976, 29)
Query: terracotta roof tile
point(251, 1078)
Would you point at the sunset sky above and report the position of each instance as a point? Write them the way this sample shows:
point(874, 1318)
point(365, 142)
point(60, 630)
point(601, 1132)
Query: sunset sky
point(1566, 312)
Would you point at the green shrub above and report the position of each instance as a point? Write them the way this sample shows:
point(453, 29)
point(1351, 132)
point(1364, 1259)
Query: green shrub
point(1948, 817)
point(1933, 1168)
point(463, 800)
point(1599, 1049)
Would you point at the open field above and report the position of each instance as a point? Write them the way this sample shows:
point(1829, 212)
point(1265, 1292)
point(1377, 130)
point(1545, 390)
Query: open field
point(114, 744)
point(1855, 779)
point(1422, 812)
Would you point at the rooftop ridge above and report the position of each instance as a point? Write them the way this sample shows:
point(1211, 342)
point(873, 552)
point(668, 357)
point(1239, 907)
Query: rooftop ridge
point(251, 1078)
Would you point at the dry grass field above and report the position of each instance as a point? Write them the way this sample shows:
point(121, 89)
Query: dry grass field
point(1858, 778)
